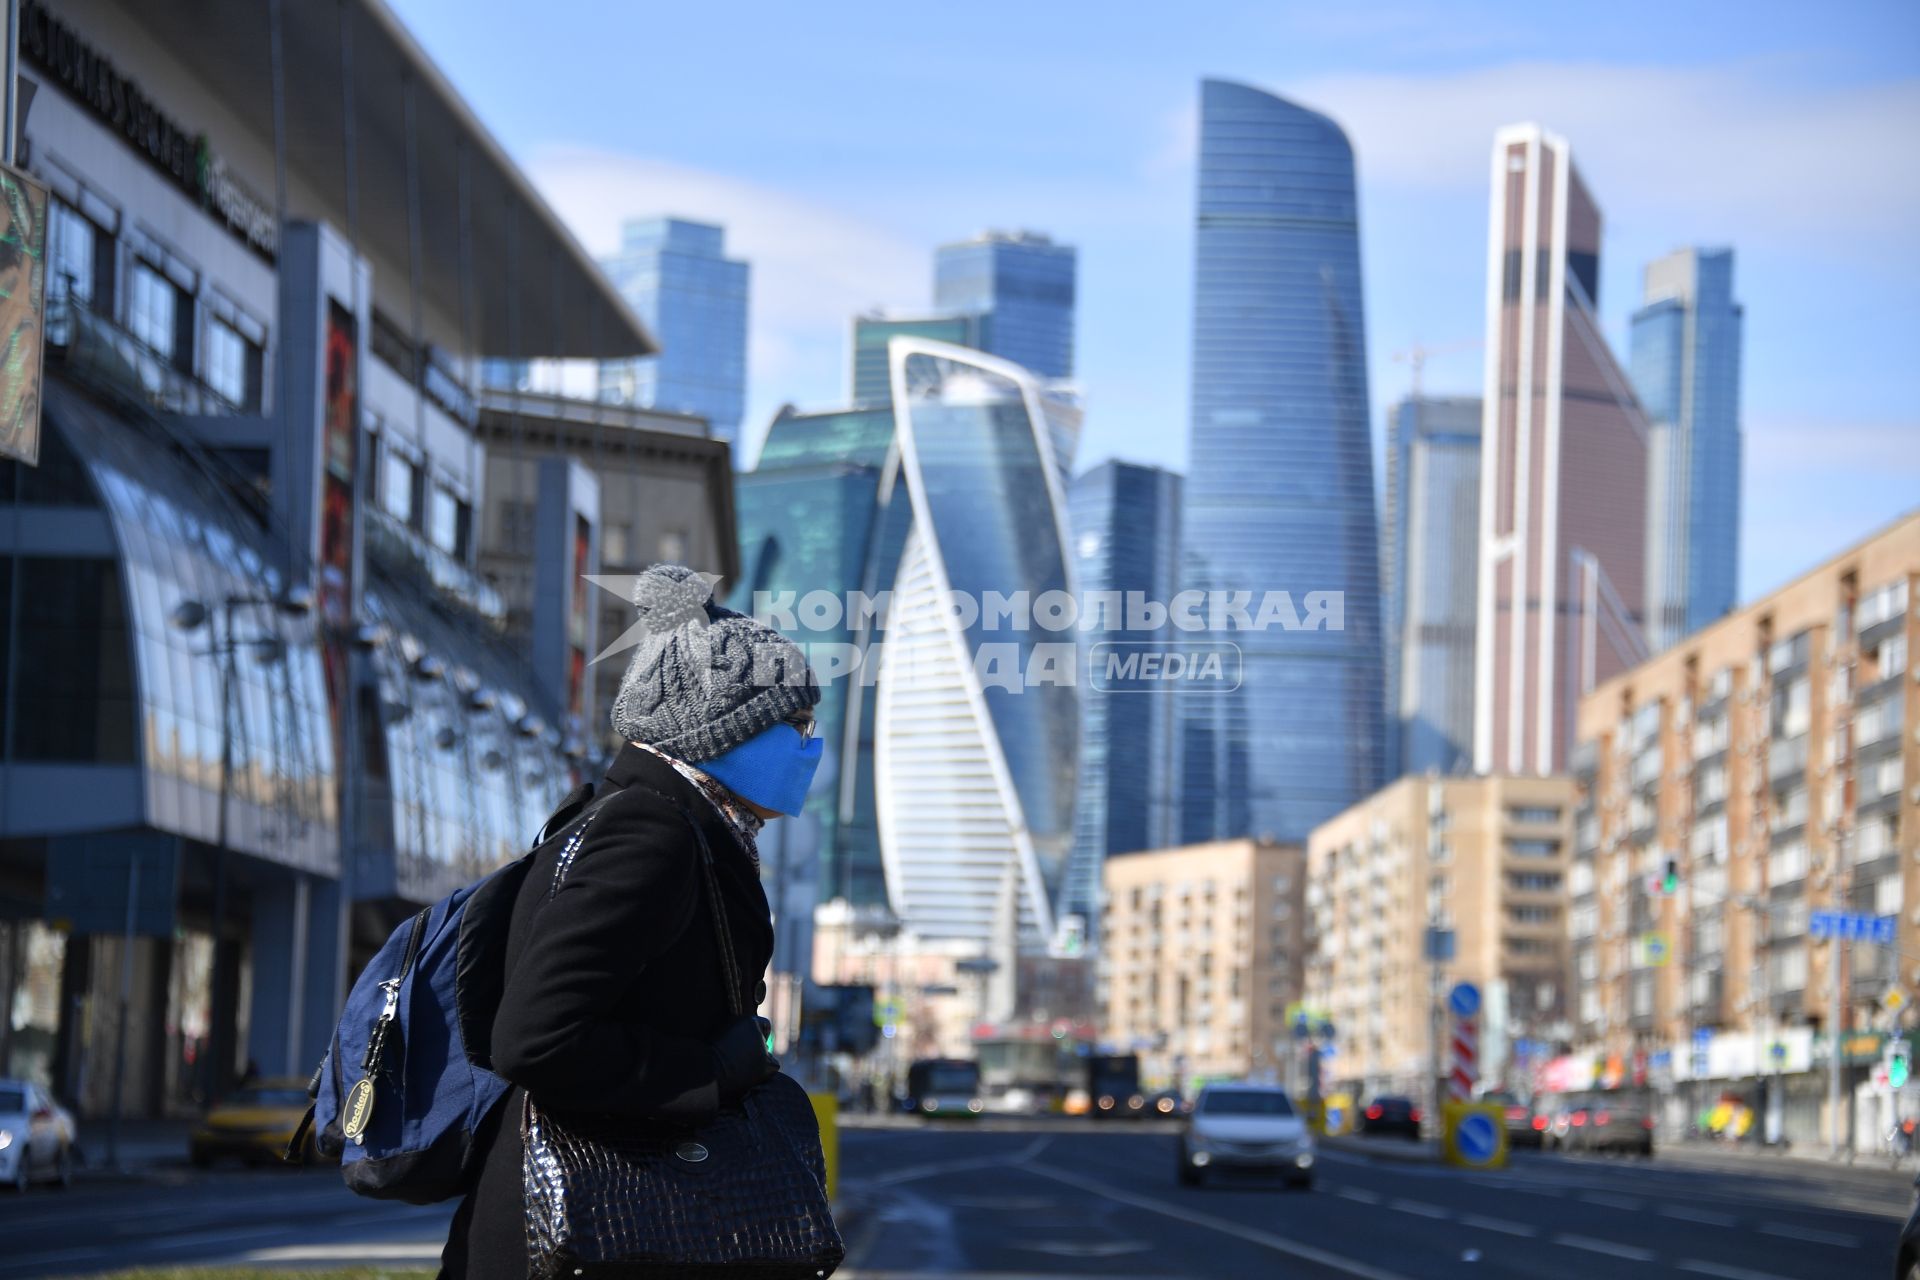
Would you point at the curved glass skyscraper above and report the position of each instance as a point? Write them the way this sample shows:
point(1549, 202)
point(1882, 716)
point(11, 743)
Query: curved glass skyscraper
point(974, 780)
point(1280, 478)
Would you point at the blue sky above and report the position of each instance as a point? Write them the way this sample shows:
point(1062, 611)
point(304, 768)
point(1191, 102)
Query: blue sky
point(841, 143)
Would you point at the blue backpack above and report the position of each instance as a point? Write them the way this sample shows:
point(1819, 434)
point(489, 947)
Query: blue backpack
point(407, 1079)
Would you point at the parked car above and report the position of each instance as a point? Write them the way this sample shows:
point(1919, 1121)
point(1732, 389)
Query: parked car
point(1619, 1120)
point(1525, 1126)
point(253, 1124)
point(1240, 1128)
point(1389, 1114)
point(37, 1137)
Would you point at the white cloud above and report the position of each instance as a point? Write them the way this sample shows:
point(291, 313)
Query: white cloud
point(814, 266)
point(1753, 149)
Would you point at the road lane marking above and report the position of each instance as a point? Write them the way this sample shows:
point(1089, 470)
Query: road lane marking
point(1608, 1247)
point(397, 1251)
point(1266, 1239)
point(1707, 1216)
point(1359, 1193)
point(1723, 1271)
point(1790, 1232)
point(1612, 1201)
point(1520, 1229)
point(1419, 1207)
point(219, 1237)
point(862, 1273)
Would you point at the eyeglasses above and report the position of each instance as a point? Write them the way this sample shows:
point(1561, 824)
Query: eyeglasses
point(803, 723)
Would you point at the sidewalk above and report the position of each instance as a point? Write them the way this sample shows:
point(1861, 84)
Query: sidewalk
point(1734, 1155)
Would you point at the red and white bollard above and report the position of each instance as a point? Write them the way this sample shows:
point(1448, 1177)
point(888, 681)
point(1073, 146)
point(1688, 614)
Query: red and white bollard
point(1465, 1066)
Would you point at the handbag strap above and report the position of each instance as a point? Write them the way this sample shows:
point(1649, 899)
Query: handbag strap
point(716, 907)
point(722, 931)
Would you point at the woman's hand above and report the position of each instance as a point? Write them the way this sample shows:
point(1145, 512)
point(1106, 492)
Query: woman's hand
point(740, 1057)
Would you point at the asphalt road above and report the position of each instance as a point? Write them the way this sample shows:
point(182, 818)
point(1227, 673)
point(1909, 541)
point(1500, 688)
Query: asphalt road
point(1104, 1202)
point(1045, 1202)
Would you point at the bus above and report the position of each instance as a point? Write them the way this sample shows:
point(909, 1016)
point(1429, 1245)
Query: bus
point(1113, 1086)
point(943, 1087)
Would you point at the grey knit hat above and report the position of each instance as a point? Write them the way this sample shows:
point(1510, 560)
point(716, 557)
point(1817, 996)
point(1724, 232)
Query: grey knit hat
point(704, 678)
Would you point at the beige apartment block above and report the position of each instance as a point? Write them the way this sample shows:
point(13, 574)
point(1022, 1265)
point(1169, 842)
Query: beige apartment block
point(1201, 953)
point(1485, 858)
point(1770, 758)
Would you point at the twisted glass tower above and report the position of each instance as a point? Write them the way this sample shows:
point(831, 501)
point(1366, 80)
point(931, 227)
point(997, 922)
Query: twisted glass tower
point(1280, 479)
point(974, 778)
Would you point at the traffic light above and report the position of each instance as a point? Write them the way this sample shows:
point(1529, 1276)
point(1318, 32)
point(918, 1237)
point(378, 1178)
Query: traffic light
point(1670, 877)
point(1898, 1065)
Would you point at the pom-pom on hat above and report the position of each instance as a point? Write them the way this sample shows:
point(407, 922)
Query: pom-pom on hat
point(704, 678)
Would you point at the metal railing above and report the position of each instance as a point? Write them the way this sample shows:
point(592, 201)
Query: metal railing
point(97, 351)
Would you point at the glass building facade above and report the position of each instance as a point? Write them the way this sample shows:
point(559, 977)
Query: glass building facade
point(1684, 358)
point(1279, 493)
point(975, 780)
point(678, 279)
point(872, 378)
point(808, 514)
point(260, 703)
point(1431, 563)
point(1021, 288)
point(1125, 521)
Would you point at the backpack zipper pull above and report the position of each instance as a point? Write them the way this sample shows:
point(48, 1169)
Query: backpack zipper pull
point(373, 1063)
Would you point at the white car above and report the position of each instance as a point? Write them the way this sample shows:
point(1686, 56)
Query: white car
point(1246, 1127)
point(37, 1136)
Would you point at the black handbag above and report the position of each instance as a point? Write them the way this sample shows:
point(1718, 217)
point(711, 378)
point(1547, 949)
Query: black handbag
point(743, 1196)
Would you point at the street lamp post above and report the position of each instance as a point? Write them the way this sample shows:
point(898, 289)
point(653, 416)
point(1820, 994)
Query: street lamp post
point(191, 615)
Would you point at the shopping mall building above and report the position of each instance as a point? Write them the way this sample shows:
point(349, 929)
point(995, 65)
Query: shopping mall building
point(260, 702)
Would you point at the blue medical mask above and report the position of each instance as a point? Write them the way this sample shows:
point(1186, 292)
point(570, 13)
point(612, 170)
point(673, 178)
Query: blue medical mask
point(773, 768)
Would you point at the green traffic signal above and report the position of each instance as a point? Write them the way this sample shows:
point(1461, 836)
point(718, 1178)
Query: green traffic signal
point(1897, 1073)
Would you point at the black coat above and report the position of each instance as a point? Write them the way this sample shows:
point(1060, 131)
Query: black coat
point(613, 988)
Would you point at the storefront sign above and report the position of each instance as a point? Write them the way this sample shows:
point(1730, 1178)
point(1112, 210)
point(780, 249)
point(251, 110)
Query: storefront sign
point(118, 100)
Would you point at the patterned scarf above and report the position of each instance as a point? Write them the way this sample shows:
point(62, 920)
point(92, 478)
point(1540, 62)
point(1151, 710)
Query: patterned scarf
point(744, 824)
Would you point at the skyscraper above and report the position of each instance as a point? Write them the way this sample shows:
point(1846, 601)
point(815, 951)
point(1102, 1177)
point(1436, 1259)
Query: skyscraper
point(1432, 562)
point(872, 380)
point(1563, 467)
point(807, 514)
point(676, 276)
point(1279, 495)
point(974, 780)
point(1685, 358)
point(1021, 287)
point(1125, 520)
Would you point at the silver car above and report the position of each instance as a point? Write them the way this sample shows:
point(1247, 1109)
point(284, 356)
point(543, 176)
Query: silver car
point(1246, 1127)
point(36, 1136)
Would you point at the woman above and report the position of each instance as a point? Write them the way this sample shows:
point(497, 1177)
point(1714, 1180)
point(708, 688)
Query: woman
point(614, 1003)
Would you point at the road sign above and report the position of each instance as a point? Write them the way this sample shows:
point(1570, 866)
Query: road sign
point(1655, 950)
point(1464, 1000)
point(1852, 926)
point(1439, 945)
point(1473, 1135)
point(1894, 1001)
